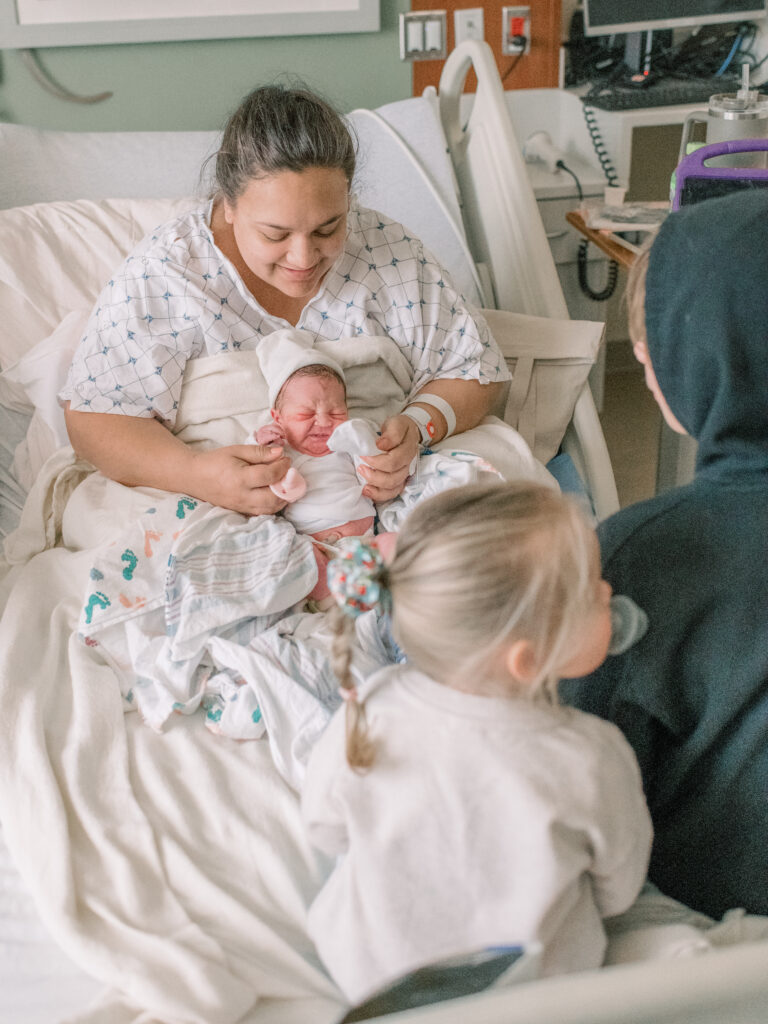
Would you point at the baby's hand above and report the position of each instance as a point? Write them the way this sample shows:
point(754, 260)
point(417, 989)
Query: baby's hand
point(292, 487)
point(270, 433)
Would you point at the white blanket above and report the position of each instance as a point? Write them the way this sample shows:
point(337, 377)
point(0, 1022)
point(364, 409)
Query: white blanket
point(171, 866)
point(225, 397)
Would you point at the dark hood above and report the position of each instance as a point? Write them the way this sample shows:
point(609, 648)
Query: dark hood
point(707, 325)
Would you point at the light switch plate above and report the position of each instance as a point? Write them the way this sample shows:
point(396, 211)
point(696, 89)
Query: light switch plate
point(423, 35)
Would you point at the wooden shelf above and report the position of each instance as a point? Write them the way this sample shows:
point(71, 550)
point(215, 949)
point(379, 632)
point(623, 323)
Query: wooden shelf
point(604, 240)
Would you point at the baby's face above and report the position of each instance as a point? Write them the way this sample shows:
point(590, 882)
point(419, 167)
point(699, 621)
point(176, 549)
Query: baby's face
point(310, 410)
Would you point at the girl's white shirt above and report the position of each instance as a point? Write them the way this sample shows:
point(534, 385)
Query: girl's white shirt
point(484, 821)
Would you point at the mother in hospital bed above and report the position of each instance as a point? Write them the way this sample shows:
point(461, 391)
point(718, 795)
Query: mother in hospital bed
point(281, 242)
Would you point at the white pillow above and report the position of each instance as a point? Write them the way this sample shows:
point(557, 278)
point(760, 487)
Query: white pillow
point(41, 373)
point(549, 361)
point(38, 377)
point(56, 257)
point(33, 452)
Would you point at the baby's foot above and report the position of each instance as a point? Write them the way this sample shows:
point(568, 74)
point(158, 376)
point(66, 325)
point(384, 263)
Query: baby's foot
point(385, 542)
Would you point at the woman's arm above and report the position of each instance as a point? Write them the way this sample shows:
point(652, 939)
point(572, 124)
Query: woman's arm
point(386, 474)
point(470, 400)
point(140, 451)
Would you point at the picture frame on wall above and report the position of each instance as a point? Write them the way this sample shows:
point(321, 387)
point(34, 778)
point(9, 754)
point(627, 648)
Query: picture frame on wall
point(42, 23)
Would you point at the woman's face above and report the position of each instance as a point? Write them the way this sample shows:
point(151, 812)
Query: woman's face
point(290, 227)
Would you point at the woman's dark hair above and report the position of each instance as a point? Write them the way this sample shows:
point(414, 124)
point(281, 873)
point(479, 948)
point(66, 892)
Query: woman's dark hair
point(277, 128)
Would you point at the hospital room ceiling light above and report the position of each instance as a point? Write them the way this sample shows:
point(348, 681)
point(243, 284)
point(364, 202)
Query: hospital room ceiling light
point(423, 35)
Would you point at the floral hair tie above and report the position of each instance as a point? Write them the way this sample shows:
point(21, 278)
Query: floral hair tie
point(354, 577)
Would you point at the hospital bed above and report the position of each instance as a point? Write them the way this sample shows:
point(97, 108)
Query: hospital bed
point(70, 949)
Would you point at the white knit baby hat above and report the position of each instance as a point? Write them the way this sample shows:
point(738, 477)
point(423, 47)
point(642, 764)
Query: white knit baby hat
point(283, 352)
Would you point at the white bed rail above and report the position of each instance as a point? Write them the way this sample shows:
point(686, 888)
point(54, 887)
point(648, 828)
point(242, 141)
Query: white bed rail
point(492, 177)
point(513, 246)
point(726, 986)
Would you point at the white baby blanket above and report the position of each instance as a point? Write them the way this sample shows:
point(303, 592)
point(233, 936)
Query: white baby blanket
point(225, 397)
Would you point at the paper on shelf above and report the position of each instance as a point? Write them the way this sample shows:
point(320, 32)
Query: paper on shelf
point(627, 217)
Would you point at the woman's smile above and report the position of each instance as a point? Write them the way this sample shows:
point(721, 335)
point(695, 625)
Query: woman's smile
point(298, 274)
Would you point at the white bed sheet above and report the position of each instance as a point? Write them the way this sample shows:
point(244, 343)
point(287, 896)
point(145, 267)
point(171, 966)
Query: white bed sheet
point(38, 981)
point(182, 926)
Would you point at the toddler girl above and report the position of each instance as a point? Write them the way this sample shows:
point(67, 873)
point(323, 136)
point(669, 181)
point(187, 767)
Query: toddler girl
point(465, 807)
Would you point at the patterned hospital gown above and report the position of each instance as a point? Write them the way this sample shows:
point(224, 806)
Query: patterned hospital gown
point(177, 297)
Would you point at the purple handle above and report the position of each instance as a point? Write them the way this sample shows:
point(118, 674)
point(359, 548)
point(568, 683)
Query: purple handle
point(694, 165)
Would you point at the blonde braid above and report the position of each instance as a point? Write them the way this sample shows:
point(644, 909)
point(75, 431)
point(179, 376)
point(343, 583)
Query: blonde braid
point(361, 749)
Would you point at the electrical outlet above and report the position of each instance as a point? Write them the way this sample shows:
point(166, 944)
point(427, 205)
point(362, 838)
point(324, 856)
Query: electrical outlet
point(468, 24)
point(515, 26)
point(423, 35)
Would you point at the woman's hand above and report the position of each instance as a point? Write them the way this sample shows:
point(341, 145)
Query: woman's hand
point(141, 451)
point(239, 476)
point(386, 474)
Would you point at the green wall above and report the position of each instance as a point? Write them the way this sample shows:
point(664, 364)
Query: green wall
point(189, 85)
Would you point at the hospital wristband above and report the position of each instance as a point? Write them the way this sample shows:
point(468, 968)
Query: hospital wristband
point(423, 421)
point(442, 406)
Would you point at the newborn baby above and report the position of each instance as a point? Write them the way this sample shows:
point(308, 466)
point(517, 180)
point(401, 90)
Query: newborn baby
point(310, 418)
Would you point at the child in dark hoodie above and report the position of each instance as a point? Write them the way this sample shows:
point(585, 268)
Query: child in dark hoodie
point(692, 695)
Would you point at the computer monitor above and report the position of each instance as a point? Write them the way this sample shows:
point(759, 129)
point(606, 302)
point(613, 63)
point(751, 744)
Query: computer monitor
point(638, 19)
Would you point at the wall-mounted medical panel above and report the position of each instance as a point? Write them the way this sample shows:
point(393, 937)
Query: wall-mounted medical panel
point(41, 23)
point(532, 64)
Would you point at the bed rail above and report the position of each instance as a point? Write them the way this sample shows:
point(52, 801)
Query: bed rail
point(507, 236)
point(501, 216)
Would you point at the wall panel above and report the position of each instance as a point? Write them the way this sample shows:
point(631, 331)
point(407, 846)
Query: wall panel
point(536, 69)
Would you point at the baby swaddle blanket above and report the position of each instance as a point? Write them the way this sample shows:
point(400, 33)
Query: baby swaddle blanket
point(168, 599)
point(183, 573)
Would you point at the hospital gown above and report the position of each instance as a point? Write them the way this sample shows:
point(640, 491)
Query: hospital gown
point(176, 297)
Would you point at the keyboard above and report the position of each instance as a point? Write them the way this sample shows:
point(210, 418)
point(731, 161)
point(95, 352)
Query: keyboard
point(666, 92)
